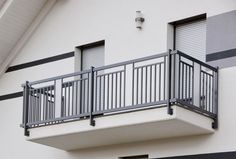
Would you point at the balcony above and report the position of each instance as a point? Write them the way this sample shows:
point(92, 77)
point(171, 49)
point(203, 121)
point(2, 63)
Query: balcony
point(160, 96)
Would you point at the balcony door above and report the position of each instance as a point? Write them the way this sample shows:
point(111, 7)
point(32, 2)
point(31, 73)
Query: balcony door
point(91, 55)
point(190, 38)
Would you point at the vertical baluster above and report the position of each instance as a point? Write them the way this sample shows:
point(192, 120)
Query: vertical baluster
point(40, 104)
point(164, 79)
point(104, 92)
point(108, 87)
point(76, 97)
point(146, 79)
point(88, 92)
point(54, 100)
point(189, 84)
point(50, 102)
point(212, 90)
point(150, 95)
point(33, 106)
point(47, 104)
point(174, 77)
point(100, 93)
point(80, 94)
point(193, 83)
point(124, 90)
point(73, 98)
point(186, 82)
point(51, 106)
point(182, 85)
point(141, 80)
point(69, 98)
point(203, 90)
point(133, 83)
point(65, 99)
point(200, 86)
point(179, 75)
point(111, 90)
point(209, 93)
point(155, 82)
point(96, 91)
point(137, 84)
point(159, 98)
point(44, 105)
point(84, 95)
point(120, 87)
point(116, 90)
point(36, 105)
point(29, 106)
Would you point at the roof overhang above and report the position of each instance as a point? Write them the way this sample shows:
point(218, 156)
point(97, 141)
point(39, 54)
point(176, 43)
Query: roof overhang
point(18, 20)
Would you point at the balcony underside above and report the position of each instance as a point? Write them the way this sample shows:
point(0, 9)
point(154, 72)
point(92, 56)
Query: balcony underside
point(121, 128)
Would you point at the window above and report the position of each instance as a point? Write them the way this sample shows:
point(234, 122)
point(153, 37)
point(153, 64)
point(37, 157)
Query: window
point(135, 157)
point(190, 36)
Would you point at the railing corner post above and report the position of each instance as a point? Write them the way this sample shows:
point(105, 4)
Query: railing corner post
point(215, 123)
point(92, 121)
point(26, 107)
point(169, 109)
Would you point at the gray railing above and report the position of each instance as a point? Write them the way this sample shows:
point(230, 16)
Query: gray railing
point(155, 81)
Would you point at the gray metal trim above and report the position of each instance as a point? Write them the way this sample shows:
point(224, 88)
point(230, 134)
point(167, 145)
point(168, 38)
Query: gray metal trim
point(221, 55)
point(217, 155)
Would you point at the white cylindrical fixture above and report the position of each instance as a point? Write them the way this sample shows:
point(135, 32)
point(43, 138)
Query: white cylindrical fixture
point(139, 19)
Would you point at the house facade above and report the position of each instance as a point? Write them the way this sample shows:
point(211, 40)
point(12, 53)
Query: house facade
point(121, 79)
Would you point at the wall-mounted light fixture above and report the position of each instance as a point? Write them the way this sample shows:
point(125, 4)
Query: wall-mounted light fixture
point(139, 19)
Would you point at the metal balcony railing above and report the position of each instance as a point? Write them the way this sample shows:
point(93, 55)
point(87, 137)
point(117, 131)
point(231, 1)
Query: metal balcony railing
point(171, 78)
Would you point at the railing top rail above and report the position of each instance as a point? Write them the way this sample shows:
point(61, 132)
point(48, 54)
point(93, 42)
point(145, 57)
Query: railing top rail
point(195, 60)
point(57, 77)
point(131, 61)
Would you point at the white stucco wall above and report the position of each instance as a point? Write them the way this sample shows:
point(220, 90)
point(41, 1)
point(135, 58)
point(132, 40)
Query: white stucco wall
point(77, 22)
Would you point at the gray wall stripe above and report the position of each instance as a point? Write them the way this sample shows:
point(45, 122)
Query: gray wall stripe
point(221, 55)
